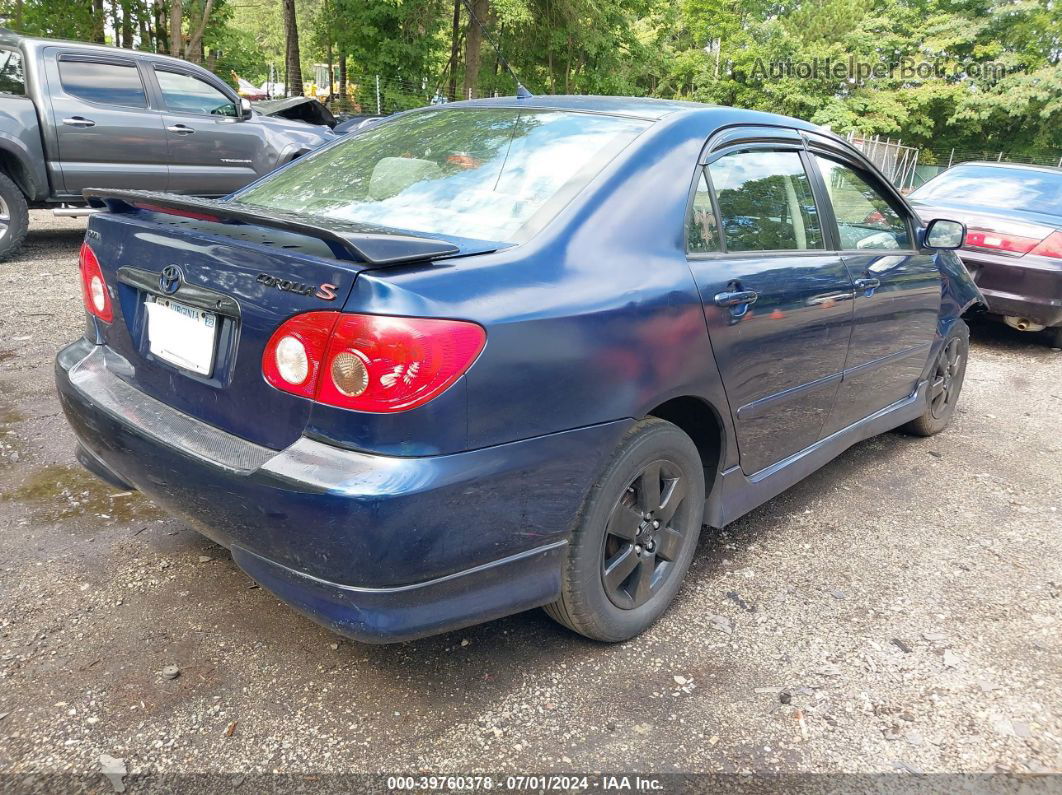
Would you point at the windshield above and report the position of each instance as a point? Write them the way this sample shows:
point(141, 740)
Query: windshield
point(480, 173)
point(988, 186)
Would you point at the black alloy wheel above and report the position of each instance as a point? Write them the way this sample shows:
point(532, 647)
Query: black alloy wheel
point(946, 378)
point(641, 542)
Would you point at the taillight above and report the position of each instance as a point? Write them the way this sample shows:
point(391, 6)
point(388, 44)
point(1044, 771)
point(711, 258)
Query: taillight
point(997, 241)
point(373, 363)
point(1050, 246)
point(293, 355)
point(94, 290)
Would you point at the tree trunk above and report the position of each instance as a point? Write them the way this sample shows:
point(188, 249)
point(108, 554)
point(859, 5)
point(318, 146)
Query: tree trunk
point(18, 15)
point(342, 102)
point(161, 29)
point(328, 96)
point(143, 18)
point(292, 59)
point(176, 22)
point(194, 53)
point(99, 22)
point(455, 50)
point(127, 23)
point(473, 41)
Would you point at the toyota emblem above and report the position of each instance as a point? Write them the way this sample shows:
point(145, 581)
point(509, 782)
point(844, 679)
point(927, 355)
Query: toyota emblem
point(170, 279)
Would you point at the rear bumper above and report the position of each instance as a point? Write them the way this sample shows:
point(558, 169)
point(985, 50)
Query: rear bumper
point(1028, 287)
point(378, 548)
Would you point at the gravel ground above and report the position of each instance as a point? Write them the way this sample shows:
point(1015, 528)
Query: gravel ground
point(898, 610)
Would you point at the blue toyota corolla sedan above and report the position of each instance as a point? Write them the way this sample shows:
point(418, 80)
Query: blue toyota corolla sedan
point(509, 353)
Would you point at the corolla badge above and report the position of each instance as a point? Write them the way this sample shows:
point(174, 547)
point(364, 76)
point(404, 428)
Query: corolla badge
point(170, 279)
point(326, 291)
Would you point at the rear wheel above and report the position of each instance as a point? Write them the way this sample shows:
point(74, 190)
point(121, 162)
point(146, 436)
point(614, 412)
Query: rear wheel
point(1054, 337)
point(14, 217)
point(636, 535)
point(945, 383)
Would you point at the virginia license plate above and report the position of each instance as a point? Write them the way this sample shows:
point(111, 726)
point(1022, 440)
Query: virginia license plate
point(181, 335)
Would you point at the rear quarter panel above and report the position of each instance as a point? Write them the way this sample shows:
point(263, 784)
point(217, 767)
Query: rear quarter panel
point(597, 318)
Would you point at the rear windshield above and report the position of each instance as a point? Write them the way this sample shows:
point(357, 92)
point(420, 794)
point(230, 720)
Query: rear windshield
point(477, 173)
point(988, 186)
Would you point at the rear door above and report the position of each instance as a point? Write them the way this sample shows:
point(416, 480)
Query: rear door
point(108, 133)
point(777, 301)
point(897, 287)
point(212, 151)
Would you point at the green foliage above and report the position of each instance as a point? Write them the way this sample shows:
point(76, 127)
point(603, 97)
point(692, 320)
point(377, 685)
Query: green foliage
point(996, 81)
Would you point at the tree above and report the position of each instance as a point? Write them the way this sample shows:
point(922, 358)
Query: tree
point(292, 58)
point(473, 44)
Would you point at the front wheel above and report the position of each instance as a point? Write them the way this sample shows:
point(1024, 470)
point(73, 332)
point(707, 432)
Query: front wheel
point(945, 383)
point(635, 537)
point(14, 217)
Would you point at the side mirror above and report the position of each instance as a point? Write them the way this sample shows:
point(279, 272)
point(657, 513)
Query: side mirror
point(245, 108)
point(944, 234)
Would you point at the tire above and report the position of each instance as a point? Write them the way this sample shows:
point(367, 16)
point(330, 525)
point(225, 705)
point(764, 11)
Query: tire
point(945, 383)
point(614, 531)
point(13, 207)
point(1054, 337)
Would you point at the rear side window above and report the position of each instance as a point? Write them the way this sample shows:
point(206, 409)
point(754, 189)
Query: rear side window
point(11, 79)
point(187, 94)
point(702, 229)
point(865, 219)
point(480, 173)
point(104, 83)
point(766, 202)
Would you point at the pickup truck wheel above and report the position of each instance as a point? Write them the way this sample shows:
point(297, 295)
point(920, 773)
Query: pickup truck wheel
point(635, 537)
point(945, 383)
point(14, 217)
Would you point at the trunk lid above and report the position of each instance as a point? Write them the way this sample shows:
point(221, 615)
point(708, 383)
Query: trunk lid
point(237, 283)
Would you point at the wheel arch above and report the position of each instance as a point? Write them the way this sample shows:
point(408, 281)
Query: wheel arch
point(701, 421)
point(13, 163)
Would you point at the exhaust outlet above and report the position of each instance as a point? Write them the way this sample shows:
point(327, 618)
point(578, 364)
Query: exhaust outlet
point(1022, 323)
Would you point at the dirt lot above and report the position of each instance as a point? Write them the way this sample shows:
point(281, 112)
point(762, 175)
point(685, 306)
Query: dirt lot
point(899, 610)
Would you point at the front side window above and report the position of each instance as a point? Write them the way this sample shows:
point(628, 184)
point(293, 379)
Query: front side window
point(11, 78)
point(186, 94)
point(766, 202)
point(702, 230)
point(105, 83)
point(865, 220)
point(477, 173)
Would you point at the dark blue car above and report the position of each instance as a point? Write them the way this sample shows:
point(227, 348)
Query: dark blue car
point(509, 353)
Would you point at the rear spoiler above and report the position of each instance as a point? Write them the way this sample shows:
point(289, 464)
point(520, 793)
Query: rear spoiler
point(360, 242)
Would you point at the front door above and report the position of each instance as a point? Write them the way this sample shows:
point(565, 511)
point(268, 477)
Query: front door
point(212, 151)
point(107, 133)
point(777, 303)
point(897, 292)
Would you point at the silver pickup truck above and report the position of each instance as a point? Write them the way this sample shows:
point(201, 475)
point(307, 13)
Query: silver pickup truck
point(75, 115)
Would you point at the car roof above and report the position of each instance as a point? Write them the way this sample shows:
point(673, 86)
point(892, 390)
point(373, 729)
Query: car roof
point(1011, 166)
point(642, 107)
point(636, 107)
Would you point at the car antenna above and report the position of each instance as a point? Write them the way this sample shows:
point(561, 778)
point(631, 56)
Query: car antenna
point(521, 91)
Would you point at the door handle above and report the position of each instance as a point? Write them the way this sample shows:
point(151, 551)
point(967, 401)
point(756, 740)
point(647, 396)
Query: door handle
point(180, 129)
point(736, 298)
point(79, 121)
point(867, 285)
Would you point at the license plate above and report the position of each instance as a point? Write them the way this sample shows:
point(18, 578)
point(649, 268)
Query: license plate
point(180, 334)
